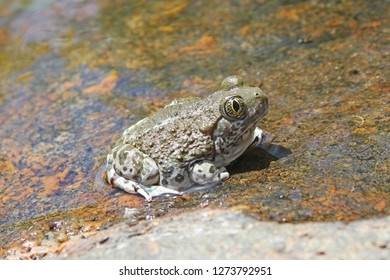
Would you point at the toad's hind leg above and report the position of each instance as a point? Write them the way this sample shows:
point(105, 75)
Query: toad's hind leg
point(134, 172)
point(148, 192)
point(130, 170)
point(134, 165)
point(127, 185)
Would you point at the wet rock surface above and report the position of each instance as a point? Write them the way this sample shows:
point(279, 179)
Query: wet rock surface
point(68, 92)
point(216, 234)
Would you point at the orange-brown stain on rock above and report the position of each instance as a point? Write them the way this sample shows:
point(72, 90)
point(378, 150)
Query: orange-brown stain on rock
point(326, 98)
point(245, 30)
point(293, 12)
point(172, 8)
point(380, 206)
point(205, 45)
point(105, 86)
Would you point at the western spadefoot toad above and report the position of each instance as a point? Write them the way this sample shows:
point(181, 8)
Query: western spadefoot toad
point(189, 142)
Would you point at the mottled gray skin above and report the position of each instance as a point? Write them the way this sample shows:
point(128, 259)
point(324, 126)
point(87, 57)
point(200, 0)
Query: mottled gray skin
point(188, 142)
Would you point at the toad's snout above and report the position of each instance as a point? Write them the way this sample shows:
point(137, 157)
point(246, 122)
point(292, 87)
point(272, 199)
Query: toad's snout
point(262, 98)
point(261, 101)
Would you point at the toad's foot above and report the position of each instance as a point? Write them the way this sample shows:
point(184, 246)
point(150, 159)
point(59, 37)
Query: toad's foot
point(158, 191)
point(262, 139)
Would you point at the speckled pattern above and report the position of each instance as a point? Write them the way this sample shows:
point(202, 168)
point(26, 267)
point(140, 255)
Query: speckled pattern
point(188, 142)
point(75, 74)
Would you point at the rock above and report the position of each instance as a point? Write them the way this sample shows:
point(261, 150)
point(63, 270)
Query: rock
point(221, 234)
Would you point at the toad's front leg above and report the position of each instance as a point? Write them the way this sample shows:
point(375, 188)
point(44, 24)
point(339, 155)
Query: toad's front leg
point(262, 139)
point(205, 172)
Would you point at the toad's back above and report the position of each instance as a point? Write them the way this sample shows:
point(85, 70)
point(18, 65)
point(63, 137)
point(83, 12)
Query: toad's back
point(180, 132)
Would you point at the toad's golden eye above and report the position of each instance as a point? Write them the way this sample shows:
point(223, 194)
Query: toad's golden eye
point(234, 108)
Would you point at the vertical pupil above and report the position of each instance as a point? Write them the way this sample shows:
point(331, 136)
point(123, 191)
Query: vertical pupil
point(236, 106)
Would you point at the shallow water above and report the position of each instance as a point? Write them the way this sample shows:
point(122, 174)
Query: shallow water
point(74, 74)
